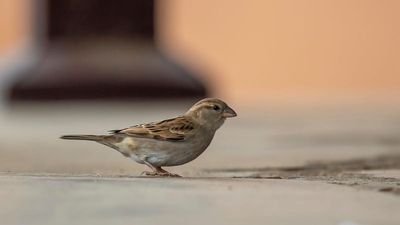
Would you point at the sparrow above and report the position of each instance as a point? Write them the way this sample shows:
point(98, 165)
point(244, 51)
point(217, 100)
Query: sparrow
point(170, 142)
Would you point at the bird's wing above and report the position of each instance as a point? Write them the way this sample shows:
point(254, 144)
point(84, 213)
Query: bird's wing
point(176, 129)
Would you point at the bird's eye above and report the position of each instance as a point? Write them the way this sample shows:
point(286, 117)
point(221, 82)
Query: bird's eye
point(216, 108)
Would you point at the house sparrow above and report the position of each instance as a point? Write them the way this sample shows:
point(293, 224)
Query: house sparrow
point(171, 142)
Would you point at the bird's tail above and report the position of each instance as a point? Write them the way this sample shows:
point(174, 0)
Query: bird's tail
point(107, 140)
point(83, 137)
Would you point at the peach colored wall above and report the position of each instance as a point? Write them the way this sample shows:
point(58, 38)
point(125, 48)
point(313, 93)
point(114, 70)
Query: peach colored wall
point(288, 49)
point(14, 16)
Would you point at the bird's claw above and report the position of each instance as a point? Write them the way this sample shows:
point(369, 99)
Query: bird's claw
point(159, 174)
point(173, 175)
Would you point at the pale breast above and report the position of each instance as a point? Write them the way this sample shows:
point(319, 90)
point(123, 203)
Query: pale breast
point(164, 153)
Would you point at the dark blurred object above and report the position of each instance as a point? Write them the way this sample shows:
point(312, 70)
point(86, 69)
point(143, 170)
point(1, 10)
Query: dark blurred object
point(100, 49)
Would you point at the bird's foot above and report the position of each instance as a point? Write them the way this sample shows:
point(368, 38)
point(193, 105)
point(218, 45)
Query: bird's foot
point(168, 174)
point(159, 174)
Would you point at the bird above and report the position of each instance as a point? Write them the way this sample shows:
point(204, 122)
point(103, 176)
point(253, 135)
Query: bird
point(170, 142)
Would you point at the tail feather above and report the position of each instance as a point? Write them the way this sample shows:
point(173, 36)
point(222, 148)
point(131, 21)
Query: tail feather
point(107, 140)
point(83, 137)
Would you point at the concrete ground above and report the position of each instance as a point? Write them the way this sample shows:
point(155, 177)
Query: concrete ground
point(321, 165)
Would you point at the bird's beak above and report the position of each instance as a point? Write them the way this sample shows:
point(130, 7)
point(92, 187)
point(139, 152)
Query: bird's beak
point(228, 112)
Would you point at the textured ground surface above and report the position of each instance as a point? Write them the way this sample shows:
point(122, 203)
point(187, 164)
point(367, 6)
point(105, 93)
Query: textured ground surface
point(328, 165)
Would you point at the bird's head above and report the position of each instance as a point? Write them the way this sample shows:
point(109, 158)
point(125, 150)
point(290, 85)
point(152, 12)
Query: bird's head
point(211, 112)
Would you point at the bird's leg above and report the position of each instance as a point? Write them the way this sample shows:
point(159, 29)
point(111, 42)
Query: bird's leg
point(154, 171)
point(166, 173)
point(157, 171)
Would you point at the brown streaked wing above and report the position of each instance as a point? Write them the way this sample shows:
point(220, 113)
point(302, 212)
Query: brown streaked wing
point(169, 130)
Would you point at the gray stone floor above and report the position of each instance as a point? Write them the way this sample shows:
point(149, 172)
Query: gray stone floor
point(321, 165)
point(92, 200)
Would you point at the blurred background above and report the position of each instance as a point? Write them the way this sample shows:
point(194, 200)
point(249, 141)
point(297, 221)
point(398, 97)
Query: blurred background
point(289, 51)
point(259, 50)
point(310, 79)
